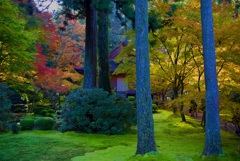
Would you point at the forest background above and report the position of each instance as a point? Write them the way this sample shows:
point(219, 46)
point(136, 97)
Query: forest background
point(57, 43)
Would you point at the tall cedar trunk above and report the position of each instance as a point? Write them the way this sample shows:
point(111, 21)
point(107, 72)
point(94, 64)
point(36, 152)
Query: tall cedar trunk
point(213, 143)
point(146, 141)
point(90, 66)
point(103, 58)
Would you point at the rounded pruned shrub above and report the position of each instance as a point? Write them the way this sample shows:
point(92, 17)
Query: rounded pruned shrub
point(27, 124)
point(95, 111)
point(51, 111)
point(38, 110)
point(15, 128)
point(17, 110)
point(155, 108)
point(44, 113)
point(44, 123)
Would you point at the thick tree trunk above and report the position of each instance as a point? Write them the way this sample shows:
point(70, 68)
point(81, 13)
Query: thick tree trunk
point(103, 57)
point(90, 58)
point(213, 143)
point(146, 141)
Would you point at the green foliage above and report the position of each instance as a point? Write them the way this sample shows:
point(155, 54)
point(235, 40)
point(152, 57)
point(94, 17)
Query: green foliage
point(44, 113)
point(44, 123)
point(51, 111)
point(48, 112)
point(38, 110)
point(126, 7)
point(95, 111)
point(5, 106)
point(102, 5)
point(27, 124)
point(132, 100)
point(17, 110)
point(16, 43)
point(155, 108)
point(15, 128)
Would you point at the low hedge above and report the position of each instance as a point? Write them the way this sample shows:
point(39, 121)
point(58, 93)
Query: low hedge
point(44, 123)
point(27, 124)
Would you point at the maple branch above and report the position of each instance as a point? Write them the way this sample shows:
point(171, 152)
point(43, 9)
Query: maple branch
point(221, 67)
point(159, 62)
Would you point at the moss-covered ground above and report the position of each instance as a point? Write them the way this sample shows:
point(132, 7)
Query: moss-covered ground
point(176, 141)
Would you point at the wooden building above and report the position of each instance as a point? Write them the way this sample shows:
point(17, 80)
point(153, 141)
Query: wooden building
point(117, 81)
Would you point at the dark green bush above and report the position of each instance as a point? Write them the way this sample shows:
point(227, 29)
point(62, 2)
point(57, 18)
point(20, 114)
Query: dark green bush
point(27, 124)
point(51, 111)
point(155, 108)
point(44, 113)
point(5, 106)
point(132, 99)
point(17, 110)
point(44, 123)
point(95, 111)
point(15, 128)
point(38, 110)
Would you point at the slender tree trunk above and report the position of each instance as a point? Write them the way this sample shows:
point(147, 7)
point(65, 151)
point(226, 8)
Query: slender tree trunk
point(146, 141)
point(213, 143)
point(90, 66)
point(103, 51)
point(182, 104)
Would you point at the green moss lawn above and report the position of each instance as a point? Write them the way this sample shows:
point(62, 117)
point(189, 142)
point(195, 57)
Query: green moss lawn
point(176, 141)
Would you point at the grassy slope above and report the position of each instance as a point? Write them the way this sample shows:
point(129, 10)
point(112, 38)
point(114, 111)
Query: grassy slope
point(176, 141)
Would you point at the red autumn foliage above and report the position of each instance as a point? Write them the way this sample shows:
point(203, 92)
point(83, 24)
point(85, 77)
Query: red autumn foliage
point(48, 78)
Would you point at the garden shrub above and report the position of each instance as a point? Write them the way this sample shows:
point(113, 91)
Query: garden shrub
point(44, 123)
point(15, 128)
point(48, 113)
point(154, 108)
point(17, 110)
point(132, 99)
point(38, 110)
point(27, 124)
point(51, 111)
point(44, 113)
point(5, 106)
point(95, 111)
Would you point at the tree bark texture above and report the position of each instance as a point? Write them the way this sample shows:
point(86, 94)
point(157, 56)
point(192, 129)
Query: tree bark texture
point(90, 59)
point(213, 143)
point(103, 51)
point(146, 141)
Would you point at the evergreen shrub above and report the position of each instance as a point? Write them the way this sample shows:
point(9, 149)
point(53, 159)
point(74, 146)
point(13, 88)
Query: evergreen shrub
point(44, 113)
point(38, 110)
point(51, 111)
point(17, 110)
point(95, 111)
point(27, 124)
point(44, 123)
point(15, 128)
point(154, 108)
point(132, 100)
